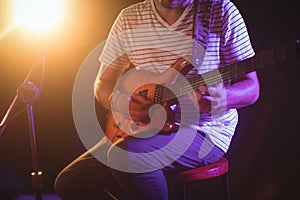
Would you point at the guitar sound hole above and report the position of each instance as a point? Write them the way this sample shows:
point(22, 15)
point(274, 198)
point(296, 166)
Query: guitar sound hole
point(143, 93)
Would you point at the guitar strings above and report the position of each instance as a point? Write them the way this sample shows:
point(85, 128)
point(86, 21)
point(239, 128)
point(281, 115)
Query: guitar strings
point(224, 73)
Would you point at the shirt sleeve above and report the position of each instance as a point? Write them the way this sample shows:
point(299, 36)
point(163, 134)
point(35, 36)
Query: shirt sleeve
point(236, 44)
point(114, 54)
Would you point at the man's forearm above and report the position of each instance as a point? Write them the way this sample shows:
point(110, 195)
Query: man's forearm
point(243, 93)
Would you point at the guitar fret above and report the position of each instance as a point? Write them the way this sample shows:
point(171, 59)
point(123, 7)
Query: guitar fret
point(159, 91)
point(228, 72)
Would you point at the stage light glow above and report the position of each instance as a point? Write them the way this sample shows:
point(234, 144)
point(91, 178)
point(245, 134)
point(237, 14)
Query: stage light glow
point(5, 31)
point(38, 16)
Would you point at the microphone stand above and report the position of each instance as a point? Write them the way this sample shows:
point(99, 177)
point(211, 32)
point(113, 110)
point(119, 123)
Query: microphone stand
point(28, 93)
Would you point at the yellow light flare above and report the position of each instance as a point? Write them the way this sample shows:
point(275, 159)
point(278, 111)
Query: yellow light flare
point(38, 16)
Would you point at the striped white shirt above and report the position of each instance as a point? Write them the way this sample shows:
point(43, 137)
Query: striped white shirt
point(141, 37)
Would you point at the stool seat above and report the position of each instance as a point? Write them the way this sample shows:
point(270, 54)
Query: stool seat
point(216, 169)
point(212, 170)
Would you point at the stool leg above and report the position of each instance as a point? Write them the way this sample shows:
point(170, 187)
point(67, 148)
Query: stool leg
point(225, 184)
point(182, 195)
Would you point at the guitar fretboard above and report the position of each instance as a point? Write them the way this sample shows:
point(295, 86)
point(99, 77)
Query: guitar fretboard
point(227, 72)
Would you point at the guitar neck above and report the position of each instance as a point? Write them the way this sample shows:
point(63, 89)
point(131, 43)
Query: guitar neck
point(227, 72)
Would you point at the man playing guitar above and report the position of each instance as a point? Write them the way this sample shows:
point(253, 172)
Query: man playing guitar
point(176, 110)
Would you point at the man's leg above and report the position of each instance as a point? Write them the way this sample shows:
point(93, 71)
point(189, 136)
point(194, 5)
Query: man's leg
point(85, 178)
point(140, 164)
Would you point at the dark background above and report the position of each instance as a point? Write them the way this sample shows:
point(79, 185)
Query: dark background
point(264, 161)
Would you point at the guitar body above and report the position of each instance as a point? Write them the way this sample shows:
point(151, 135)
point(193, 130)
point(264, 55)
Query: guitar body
point(146, 83)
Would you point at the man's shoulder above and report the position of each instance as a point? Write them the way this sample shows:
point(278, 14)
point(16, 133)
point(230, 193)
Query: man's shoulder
point(138, 7)
point(220, 1)
point(223, 3)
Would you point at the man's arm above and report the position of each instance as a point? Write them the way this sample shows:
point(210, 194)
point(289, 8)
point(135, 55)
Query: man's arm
point(243, 91)
point(122, 101)
point(105, 83)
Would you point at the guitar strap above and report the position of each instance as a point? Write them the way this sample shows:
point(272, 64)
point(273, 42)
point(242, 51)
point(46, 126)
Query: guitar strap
point(201, 28)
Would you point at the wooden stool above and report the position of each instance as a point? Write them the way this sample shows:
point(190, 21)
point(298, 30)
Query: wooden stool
point(216, 169)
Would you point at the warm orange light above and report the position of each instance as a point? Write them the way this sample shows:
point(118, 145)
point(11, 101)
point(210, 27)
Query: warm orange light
point(38, 15)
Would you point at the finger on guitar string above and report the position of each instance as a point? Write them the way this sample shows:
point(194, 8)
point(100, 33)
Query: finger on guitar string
point(140, 99)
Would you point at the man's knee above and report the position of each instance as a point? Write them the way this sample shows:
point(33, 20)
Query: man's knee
point(61, 184)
